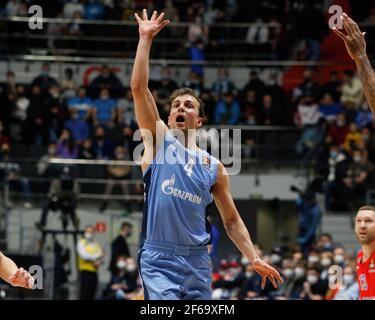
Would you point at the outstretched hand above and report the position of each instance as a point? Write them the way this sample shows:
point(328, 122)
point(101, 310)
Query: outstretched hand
point(21, 278)
point(149, 28)
point(354, 40)
point(266, 271)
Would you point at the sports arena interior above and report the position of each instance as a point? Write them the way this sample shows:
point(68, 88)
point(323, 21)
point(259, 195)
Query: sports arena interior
point(272, 69)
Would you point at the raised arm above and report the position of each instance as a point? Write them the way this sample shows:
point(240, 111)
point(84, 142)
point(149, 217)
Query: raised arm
point(15, 276)
point(146, 111)
point(356, 45)
point(237, 230)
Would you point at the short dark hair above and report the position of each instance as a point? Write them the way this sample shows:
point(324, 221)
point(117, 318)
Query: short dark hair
point(190, 92)
point(126, 224)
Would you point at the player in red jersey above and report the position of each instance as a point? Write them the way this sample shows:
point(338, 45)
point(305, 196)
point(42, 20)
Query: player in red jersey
point(365, 231)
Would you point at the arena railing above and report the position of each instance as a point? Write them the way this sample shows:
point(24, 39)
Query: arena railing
point(228, 40)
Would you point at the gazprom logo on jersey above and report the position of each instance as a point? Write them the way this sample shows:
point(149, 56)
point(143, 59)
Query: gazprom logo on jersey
point(167, 188)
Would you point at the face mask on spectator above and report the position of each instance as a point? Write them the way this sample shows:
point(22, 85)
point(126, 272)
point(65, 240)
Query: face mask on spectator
point(275, 258)
point(89, 236)
point(339, 258)
point(75, 116)
point(313, 259)
point(326, 262)
point(249, 274)
point(245, 261)
point(299, 272)
point(121, 264)
point(288, 273)
point(104, 97)
point(357, 159)
point(312, 279)
point(348, 279)
point(131, 267)
point(333, 154)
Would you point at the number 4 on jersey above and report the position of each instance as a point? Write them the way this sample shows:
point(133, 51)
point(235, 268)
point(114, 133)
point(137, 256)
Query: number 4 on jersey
point(189, 167)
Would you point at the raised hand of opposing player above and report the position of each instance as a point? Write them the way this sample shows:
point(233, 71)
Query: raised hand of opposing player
point(21, 278)
point(149, 28)
point(266, 271)
point(354, 40)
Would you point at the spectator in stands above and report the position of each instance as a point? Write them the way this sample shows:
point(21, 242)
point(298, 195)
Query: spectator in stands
point(313, 288)
point(125, 109)
point(8, 105)
point(333, 86)
point(325, 243)
point(90, 256)
point(12, 178)
point(349, 289)
point(118, 175)
point(120, 246)
point(329, 108)
point(227, 110)
point(19, 114)
point(123, 281)
point(82, 103)
point(105, 109)
point(296, 286)
point(274, 89)
point(255, 84)
point(307, 88)
point(283, 291)
point(4, 139)
point(358, 173)
point(106, 80)
point(79, 128)
point(75, 28)
point(44, 81)
point(94, 10)
point(354, 138)
point(352, 95)
point(102, 145)
point(232, 281)
point(326, 261)
point(223, 84)
point(72, 7)
point(364, 116)
point(338, 130)
point(66, 147)
point(68, 84)
point(193, 82)
point(268, 112)
point(166, 85)
point(196, 53)
point(307, 113)
point(196, 30)
point(86, 150)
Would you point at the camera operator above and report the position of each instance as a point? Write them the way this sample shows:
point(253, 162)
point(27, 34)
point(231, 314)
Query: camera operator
point(62, 196)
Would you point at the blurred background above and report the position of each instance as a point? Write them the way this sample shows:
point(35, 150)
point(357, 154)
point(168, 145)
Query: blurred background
point(270, 68)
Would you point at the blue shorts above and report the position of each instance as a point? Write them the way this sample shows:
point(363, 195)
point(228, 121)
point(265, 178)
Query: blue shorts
point(172, 272)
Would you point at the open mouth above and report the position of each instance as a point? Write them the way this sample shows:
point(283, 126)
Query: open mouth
point(180, 119)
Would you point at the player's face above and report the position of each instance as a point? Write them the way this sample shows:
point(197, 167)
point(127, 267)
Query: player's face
point(184, 113)
point(365, 226)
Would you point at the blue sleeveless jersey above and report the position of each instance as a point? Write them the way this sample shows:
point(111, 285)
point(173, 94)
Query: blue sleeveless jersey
point(177, 192)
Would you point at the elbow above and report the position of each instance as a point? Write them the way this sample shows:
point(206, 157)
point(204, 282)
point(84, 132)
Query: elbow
point(230, 224)
point(137, 87)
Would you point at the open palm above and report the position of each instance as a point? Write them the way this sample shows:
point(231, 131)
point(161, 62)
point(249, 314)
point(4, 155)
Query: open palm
point(149, 28)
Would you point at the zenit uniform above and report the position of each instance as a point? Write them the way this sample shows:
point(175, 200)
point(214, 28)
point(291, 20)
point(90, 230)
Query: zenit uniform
point(174, 262)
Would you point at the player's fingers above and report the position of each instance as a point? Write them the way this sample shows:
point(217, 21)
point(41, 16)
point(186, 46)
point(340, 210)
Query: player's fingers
point(139, 20)
point(347, 25)
point(145, 14)
point(163, 24)
point(363, 33)
point(160, 18)
point(272, 279)
point(339, 33)
point(154, 15)
point(264, 279)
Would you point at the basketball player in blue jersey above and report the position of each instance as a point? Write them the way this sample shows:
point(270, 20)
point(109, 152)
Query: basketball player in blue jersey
point(174, 262)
